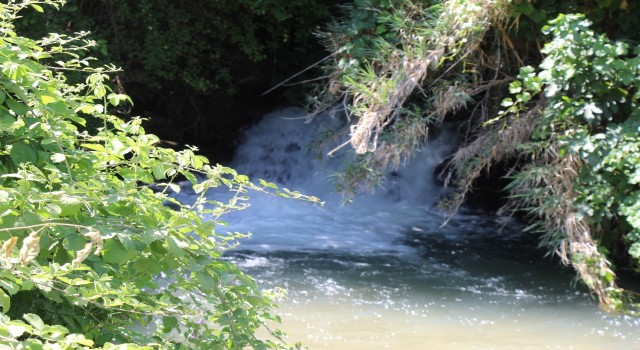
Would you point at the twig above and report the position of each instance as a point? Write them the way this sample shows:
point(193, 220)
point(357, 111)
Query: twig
point(300, 72)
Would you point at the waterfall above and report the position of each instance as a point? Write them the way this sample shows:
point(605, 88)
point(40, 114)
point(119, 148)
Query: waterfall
point(280, 149)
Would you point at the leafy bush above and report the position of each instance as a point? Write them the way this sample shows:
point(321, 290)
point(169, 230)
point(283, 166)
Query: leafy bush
point(91, 254)
point(590, 123)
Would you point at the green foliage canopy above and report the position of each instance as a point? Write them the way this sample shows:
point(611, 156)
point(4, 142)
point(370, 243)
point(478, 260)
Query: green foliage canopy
point(91, 254)
point(204, 45)
point(591, 114)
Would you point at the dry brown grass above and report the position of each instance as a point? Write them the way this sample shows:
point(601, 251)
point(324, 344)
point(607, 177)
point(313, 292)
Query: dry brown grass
point(576, 247)
point(458, 31)
point(377, 111)
point(549, 194)
point(490, 147)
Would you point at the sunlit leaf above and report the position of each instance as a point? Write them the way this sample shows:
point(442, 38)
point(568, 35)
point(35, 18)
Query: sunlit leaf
point(35, 321)
point(37, 8)
point(5, 301)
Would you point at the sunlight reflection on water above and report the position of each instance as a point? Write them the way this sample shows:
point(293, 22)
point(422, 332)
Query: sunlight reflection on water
point(329, 308)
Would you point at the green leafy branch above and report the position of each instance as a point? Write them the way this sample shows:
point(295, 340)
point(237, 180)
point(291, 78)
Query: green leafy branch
point(92, 254)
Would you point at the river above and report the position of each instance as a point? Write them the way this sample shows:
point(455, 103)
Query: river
point(384, 273)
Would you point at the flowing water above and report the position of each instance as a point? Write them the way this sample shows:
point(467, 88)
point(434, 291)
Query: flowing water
point(383, 273)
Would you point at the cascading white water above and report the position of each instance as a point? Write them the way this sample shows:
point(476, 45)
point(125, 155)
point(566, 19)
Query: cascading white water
point(277, 149)
point(381, 272)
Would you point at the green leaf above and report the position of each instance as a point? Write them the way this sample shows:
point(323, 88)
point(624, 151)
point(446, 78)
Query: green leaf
point(192, 178)
point(48, 99)
point(23, 152)
point(268, 184)
point(104, 337)
point(4, 197)
point(169, 323)
point(59, 107)
point(174, 187)
point(206, 228)
point(75, 118)
point(70, 205)
point(5, 301)
point(176, 247)
point(34, 320)
point(117, 147)
point(526, 9)
point(515, 87)
point(8, 282)
point(115, 99)
point(99, 91)
point(86, 108)
point(18, 108)
point(115, 253)
point(6, 121)
point(74, 242)
point(146, 266)
point(206, 281)
point(27, 285)
point(158, 171)
point(37, 8)
point(55, 332)
point(128, 242)
point(93, 146)
point(256, 300)
point(78, 339)
point(32, 344)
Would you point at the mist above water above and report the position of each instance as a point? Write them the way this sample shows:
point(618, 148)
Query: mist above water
point(280, 149)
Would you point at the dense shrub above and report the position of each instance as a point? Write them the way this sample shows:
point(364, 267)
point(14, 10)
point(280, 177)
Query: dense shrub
point(91, 255)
